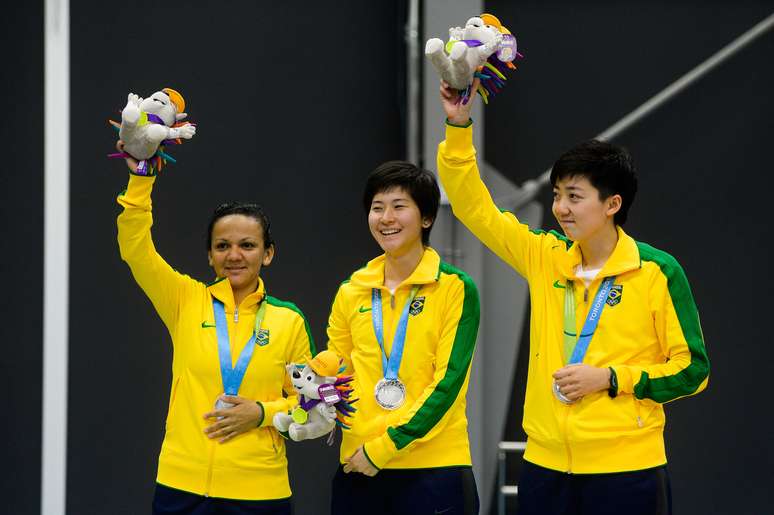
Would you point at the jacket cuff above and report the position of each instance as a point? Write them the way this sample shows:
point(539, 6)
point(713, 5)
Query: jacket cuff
point(464, 126)
point(626, 377)
point(271, 408)
point(138, 192)
point(380, 451)
point(459, 143)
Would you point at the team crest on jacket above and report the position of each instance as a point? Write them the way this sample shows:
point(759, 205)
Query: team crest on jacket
point(417, 305)
point(262, 338)
point(614, 297)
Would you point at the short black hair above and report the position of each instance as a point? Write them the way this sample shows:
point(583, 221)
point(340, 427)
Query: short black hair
point(419, 183)
point(254, 211)
point(609, 168)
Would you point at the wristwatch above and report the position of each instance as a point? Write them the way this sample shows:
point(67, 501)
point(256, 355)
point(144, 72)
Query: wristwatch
point(612, 391)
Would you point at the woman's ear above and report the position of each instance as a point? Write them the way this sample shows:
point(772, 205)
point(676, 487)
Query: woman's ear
point(268, 255)
point(614, 203)
point(209, 258)
point(427, 222)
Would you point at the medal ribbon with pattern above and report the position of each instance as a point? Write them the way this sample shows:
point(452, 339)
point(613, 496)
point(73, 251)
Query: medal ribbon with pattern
point(576, 348)
point(392, 366)
point(232, 376)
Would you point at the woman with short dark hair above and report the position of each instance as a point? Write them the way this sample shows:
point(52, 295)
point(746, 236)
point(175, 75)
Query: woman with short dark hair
point(406, 326)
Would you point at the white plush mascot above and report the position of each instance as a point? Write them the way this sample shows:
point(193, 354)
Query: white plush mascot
point(148, 124)
point(484, 48)
point(323, 399)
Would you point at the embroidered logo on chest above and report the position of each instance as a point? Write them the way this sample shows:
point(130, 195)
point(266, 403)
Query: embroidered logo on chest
point(417, 306)
point(262, 338)
point(615, 295)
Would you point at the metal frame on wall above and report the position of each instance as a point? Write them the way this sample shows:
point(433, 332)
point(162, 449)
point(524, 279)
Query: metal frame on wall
point(56, 257)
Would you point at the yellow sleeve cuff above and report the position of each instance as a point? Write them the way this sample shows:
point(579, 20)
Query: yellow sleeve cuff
point(271, 408)
point(138, 192)
point(626, 376)
point(380, 451)
point(459, 143)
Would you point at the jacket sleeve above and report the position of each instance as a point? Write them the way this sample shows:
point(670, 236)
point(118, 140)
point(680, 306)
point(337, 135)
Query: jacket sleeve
point(472, 204)
point(160, 282)
point(431, 411)
point(685, 370)
point(338, 330)
point(301, 350)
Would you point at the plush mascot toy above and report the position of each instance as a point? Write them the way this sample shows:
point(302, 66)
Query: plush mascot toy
point(484, 48)
point(147, 125)
point(324, 399)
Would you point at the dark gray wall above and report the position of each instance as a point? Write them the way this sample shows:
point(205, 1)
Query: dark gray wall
point(704, 164)
point(21, 258)
point(295, 103)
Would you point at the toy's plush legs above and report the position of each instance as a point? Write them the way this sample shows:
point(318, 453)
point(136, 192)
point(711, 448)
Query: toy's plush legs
point(310, 430)
point(282, 422)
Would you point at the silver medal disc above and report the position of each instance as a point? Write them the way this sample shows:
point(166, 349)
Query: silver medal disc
point(559, 395)
point(390, 393)
point(220, 404)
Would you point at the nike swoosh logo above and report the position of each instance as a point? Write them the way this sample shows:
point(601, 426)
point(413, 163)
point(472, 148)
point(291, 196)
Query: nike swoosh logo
point(364, 309)
point(205, 325)
point(557, 285)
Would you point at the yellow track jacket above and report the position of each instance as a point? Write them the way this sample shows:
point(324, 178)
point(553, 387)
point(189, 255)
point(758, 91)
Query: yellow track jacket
point(649, 332)
point(430, 429)
point(253, 464)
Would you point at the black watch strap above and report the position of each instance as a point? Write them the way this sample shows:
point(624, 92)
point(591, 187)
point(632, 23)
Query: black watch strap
point(612, 391)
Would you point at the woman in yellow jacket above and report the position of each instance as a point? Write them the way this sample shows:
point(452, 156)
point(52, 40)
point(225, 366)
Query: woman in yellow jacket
point(231, 343)
point(614, 330)
point(406, 326)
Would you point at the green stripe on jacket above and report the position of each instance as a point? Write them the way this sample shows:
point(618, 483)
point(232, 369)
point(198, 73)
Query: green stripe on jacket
point(273, 301)
point(448, 388)
point(688, 380)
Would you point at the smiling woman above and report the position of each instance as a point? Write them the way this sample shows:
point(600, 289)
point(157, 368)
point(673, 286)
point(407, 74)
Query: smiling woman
point(221, 452)
point(407, 450)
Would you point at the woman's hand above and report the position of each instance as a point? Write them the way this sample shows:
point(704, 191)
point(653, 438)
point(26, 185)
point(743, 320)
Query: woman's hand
point(130, 161)
point(242, 417)
point(575, 381)
point(456, 112)
point(359, 463)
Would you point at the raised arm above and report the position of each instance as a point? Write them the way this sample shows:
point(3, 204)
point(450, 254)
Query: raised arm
point(160, 282)
point(471, 202)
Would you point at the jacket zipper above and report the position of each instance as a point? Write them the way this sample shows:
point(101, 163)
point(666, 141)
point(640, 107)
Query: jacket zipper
point(566, 440)
point(236, 315)
point(209, 470)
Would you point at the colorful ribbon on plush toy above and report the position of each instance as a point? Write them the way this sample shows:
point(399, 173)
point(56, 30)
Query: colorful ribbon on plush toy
point(492, 74)
point(153, 165)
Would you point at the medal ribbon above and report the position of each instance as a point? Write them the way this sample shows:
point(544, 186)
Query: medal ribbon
point(391, 367)
point(232, 376)
point(577, 349)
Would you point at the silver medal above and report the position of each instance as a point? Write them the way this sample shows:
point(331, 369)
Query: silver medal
point(221, 404)
point(390, 393)
point(559, 395)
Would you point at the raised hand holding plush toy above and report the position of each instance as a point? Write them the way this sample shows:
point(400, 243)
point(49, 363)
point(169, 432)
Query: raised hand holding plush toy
point(484, 48)
point(324, 399)
point(149, 124)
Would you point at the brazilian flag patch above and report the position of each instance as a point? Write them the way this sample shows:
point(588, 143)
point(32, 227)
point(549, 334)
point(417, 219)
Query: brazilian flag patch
point(417, 305)
point(262, 338)
point(615, 295)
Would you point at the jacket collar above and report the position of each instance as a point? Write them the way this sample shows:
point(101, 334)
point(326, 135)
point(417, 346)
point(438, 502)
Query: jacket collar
point(426, 272)
point(221, 289)
point(625, 257)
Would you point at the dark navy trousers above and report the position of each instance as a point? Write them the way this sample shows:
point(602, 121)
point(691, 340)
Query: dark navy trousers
point(549, 492)
point(429, 491)
point(169, 501)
